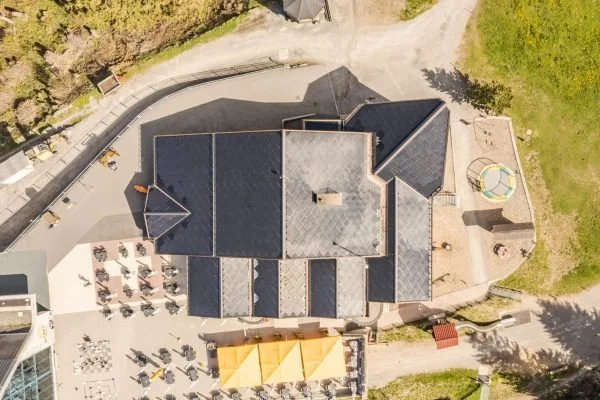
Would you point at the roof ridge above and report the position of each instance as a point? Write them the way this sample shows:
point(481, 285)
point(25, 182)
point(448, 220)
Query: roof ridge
point(154, 186)
point(410, 137)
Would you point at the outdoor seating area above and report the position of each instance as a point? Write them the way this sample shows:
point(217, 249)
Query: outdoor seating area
point(130, 271)
point(294, 368)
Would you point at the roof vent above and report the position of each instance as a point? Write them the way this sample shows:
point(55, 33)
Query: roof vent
point(328, 197)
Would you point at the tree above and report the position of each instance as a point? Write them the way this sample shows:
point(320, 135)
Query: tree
point(491, 98)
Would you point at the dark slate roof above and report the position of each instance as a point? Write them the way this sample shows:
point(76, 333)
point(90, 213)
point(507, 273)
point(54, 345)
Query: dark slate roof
point(322, 124)
point(231, 186)
point(159, 224)
point(183, 169)
point(391, 122)
point(266, 288)
point(413, 244)
point(303, 9)
point(204, 287)
point(404, 274)
point(323, 288)
point(382, 270)
point(10, 345)
point(421, 159)
point(248, 220)
point(160, 202)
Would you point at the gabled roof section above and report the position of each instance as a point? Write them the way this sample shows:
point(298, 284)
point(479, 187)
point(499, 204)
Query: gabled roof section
point(413, 244)
point(159, 224)
point(204, 287)
point(162, 212)
point(303, 9)
point(392, 123)
point(183, 168)
point(420, 159)
point(382, 270)
point(404, 274)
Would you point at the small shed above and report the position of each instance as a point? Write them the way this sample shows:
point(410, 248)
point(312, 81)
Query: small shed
point(303, 10)
point(15, 168)
point(445, 335)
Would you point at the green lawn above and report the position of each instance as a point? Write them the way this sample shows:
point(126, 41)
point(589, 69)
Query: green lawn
point(406, 333)
point(548, 53)
point(416, 7)
point(452, 384)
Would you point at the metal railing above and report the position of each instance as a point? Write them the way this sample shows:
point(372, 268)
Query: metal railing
point(111, 121)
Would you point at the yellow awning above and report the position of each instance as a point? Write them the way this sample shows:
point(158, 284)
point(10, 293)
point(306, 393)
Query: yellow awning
point(323, 358)
point(239, 366)
point(280, 361)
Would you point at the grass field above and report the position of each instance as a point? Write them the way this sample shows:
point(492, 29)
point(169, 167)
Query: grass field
point(548, 53)
point(416, 7)
point(452, 384)
point(406, 333)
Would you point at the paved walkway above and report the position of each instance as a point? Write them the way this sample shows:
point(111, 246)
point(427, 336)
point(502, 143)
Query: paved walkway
point(389, 56)
point(561, 329)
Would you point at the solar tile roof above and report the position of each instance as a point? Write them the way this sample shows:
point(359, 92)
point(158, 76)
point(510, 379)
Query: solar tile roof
point(204, 287)
point(159, 224)
point(183, 169)
point(392, 122)
point(413, 244)
point(421, 160)
point(231, 185)
point(323, 288)
point(382, 270)
point(248, 195)
point(266, 288)
point(404, 274)
point(247, 201)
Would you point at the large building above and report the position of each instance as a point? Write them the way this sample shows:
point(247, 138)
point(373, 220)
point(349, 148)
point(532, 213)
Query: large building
point(26, 330)
point(315, 219)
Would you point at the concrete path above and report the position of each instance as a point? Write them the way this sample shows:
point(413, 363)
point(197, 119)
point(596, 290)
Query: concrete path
point(561, 331)
point(390, 56)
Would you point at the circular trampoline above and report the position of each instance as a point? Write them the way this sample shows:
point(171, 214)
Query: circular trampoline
point(497, 182)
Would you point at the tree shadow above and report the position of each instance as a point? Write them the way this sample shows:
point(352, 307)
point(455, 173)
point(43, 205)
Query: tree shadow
point(523, 369)
point(454, 83)
point(576, 329)
point(572, 327)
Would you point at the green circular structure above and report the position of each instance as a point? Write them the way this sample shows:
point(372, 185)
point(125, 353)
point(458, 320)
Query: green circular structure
point(497, 182)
